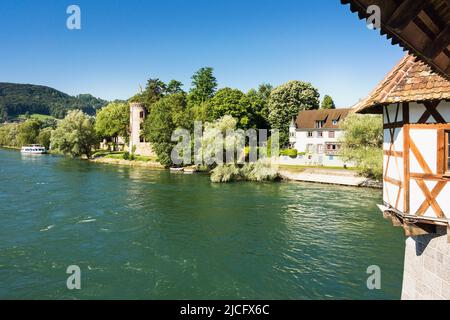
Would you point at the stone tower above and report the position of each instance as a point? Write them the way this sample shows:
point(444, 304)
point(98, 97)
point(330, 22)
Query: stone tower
point(138, 114)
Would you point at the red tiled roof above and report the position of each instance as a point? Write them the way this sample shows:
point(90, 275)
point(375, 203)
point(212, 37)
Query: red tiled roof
point(409, 81)
point(307, 119)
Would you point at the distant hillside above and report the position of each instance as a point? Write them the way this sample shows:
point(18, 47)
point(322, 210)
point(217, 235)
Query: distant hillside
point(16, 99)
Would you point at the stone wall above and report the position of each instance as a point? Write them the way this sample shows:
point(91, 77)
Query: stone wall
point(427, 267)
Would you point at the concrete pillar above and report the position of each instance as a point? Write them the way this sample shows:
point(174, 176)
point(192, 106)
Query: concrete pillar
point(426, 273)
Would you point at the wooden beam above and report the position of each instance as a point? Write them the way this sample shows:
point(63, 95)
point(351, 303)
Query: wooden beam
point(398, 154)
point(429, 177)
point(395, 125)
point(405, 13)
point(419, 229)
point(440, 165)
point(393, 181)
point(439, 44)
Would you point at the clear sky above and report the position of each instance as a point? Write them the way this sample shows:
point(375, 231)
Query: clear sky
point(124, 42)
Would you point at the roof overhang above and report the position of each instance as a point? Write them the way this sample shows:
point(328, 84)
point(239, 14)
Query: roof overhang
point(421, 27)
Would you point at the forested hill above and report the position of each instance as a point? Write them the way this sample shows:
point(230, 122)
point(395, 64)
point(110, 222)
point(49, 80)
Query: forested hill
point(16, 99)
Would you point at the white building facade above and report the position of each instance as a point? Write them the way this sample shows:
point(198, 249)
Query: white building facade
point(316, 136)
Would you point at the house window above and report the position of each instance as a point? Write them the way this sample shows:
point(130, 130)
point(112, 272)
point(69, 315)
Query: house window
point(320, 124)
point(309, 147)
point(310, 134)
point(320, 134)
point(292, 134)
point(142, 139)
point(331, 158)
point(335, 122)
point(331, 134)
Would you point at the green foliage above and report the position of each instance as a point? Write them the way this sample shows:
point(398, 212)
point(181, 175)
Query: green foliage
point(225, 173)
point(154, 91)
point(75, 135)
point(259, 171)
point(9, 135)
point(286, 101)
point(167, 114)
point(112, 121)
point(29, 132)
point(289, 153)
point(126, 155)
point(17, 99)
point(234, 103)
point(258, 102)
point(363, 143)
point(204, 86)
point(328, 103)
point(44, 137)
point(174, 87)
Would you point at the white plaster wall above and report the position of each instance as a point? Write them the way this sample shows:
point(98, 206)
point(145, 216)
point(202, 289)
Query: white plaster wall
point(398, 139)
point(392, 110)
point(443, 199)
point(426, 142)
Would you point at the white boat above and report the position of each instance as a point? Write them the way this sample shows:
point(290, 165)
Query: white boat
point(33, 149)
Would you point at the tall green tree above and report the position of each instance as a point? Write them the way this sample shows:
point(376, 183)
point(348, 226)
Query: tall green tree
point(154, 91)
point(362, 143)
point(204, 85)
point(75, 135)
point(234, 103)
point(286, 101)
point(167, 114)
point(328, 103)
point(113, 121)
point(8, 135)
point(29, 131)
point(174, 87)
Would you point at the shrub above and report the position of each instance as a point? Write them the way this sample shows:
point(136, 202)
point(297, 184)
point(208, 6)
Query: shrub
point(289, 153)
point(259, 171)
point(126, 155)
point(225, 173)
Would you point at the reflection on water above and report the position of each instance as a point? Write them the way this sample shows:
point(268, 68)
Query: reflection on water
point(142, 234)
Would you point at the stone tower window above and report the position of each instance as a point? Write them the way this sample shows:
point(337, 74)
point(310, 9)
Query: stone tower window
point(141, 114)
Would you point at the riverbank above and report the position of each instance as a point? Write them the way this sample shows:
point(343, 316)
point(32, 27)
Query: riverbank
point(130, 163)
point(342, 177)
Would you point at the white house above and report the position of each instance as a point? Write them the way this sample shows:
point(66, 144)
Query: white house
point(315, 134)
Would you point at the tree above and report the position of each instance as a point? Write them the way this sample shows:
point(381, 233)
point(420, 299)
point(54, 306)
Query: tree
point(234, 103)
point(328, 103)
point(167, 114)
point(8, 135)
point(204, 85)
point(74, 135)
point(286, 101)
point(112, 121)
point(154, 91)
point(258, 102)
point(363, 143)
point(174, 87)
point(264, 90)
point(44, 137)
point(29, 131)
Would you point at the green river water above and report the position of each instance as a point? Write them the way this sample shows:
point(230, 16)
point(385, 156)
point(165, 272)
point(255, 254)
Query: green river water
point(145, 234)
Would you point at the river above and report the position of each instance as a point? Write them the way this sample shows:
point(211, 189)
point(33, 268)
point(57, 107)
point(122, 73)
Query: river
point(137, 233)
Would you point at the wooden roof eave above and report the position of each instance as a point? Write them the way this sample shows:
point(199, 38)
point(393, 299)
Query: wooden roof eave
point(400, 29)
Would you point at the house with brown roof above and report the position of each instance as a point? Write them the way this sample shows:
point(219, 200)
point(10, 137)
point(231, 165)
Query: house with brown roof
point(316, 134)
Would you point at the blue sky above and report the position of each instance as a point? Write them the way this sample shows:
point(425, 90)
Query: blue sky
point(124, 42)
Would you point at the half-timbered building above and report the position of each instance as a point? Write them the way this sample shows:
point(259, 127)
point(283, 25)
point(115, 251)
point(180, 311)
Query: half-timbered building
point(414, 100)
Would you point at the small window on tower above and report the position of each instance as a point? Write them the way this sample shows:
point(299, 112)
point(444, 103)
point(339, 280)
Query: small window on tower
point(142, 139)
point(141, 114)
